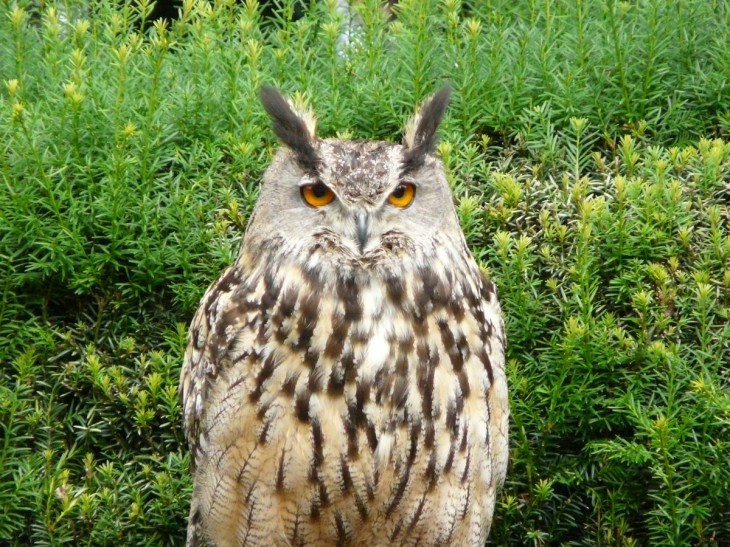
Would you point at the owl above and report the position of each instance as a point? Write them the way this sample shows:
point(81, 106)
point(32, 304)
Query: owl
point(344, 379)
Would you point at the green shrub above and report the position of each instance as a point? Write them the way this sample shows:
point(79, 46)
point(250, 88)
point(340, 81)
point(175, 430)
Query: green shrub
point(584, 147)
point(617, 291)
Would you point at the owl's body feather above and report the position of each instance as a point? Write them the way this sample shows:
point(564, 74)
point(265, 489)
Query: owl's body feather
point(337, 393)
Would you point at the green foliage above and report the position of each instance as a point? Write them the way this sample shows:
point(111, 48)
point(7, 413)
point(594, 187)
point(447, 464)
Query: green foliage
point(584, 149)
point(617, 292)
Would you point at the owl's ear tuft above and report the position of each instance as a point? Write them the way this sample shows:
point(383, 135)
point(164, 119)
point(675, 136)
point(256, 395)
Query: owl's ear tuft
point(295, 127)
point(420, 136)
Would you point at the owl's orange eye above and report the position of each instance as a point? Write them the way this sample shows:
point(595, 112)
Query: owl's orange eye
point(403, 195)
point(317, 195)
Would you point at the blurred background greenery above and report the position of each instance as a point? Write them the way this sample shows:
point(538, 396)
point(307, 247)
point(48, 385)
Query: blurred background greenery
point(587, 147)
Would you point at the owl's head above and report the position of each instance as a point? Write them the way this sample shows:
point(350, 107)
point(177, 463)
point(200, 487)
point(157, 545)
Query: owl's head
point(360, 202)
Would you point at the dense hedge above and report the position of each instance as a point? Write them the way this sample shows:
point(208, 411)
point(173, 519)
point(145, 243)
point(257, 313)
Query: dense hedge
point(585, 147)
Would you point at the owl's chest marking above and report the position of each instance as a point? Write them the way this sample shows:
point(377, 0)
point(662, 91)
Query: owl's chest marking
point(351, 400)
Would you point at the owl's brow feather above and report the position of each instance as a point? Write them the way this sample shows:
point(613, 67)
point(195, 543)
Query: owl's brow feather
point(290, 128)
point(424, 138)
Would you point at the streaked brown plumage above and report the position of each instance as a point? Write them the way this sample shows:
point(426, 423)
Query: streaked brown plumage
point(344, 379)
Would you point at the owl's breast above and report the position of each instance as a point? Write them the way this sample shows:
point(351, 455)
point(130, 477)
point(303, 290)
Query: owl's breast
point(366, 412)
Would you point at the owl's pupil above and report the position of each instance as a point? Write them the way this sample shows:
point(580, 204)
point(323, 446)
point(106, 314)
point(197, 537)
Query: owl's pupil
point(319, 190)
point(399, 192)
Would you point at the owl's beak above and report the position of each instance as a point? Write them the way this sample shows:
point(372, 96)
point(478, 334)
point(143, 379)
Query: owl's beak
point(362, 225)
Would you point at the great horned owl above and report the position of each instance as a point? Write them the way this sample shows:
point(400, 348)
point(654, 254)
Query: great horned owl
point(344, 379)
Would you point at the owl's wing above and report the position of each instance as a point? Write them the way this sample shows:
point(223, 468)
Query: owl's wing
point(213, 329)
point(499, 400)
